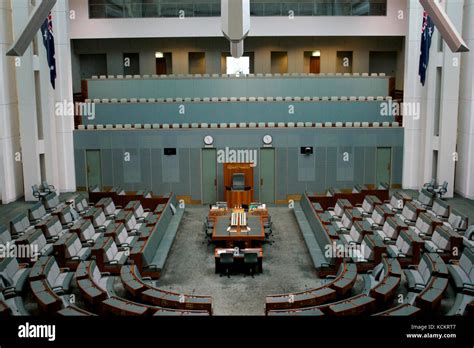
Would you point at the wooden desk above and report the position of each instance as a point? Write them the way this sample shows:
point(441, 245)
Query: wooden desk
point(222, 223)
point(239, 257)
point(218, 212)
point(239, 198)
point(259, 212)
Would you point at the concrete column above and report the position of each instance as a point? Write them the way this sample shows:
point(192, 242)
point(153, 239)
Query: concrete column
point(421, 140)
point(449, 103)
point(63, 94)
point(465, 165)
point(412, 89)
point(11, 177)
point(26, 91)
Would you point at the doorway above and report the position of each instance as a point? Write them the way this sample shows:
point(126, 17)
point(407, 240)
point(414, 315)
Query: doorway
point(383, 165)
point(267, 175)
point(209, 176)
point(315, 65)
point(279, 62)
point(131, 64)
point(94, 168)
point(163, 63)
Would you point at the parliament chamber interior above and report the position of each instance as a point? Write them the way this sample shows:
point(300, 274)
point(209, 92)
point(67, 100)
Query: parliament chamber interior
point(237, 158)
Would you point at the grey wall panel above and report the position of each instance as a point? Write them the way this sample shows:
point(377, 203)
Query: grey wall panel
point(345, 165)
point(132, 167)
point(182, 173)
point(319, 184)
point(107, 162)
point(281, 173)
point(117, 167)
point(331, 167)
point(220, 182)
point(183, 185)
point(145, 167)
point(170, 169)
point(396, 160)
point(294, 184)
point(195, 173)
point(358, 169)
point(306, 168)
point(369, 164)
point(80, 165)
point(156, 172)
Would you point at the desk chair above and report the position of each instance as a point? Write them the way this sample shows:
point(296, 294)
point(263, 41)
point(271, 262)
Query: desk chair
point(226, 261)
point(442, 189)
point(207, 230)
point(251, 262)
point(238, 182)
point(268, 223)
point(37, 193)
point(268, 233)
point(47, 188)
point(430, 186)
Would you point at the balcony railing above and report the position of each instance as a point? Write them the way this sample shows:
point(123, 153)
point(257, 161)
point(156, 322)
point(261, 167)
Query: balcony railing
point(212, 8)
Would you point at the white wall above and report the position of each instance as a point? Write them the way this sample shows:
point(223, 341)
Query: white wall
point(391, 25)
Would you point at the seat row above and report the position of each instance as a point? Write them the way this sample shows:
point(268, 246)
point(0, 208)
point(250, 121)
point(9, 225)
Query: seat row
point(422, 233)
point(239, 125)
point(335, 287)
point(238, 99)
point(258, 75)
point(141, 288)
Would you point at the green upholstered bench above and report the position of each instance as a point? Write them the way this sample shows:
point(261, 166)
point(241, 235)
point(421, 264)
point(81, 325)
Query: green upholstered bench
point(123, 307)
point(13, 276)
point(357, 305)
point(404, 310)
point(73, 311)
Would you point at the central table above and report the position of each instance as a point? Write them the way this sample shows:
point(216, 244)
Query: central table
point(221, 234)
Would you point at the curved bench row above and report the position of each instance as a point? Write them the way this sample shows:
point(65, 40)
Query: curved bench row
point(123, 307)
point(382, 283)
point(138, 288)
point(357, 305)
point(336, 287)
point(49, 285)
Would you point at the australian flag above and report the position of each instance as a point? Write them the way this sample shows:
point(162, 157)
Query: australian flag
point(426, 36)
point(48, 40)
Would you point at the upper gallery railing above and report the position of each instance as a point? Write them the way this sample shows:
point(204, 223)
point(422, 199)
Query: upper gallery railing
point(211, 8)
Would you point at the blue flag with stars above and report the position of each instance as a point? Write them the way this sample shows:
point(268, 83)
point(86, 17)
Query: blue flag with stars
point(426, 36)
point(48, 40)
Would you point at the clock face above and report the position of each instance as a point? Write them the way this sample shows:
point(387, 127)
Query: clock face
point(208, 140)
point(267, 139)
